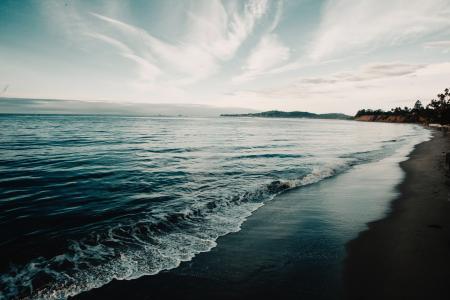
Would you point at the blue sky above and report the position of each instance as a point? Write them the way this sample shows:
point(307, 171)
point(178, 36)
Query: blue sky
point(320, 56)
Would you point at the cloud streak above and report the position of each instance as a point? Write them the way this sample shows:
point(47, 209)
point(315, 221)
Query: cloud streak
point(214, 34)
point(269, 53)
point(444, 46)
point(367, 72)
point(364, 25)
point(220, 32)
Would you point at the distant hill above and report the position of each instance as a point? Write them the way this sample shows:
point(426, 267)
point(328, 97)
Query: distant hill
point(291, 114)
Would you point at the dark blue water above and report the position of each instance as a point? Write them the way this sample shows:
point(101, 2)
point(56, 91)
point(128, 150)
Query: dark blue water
point(86, 199)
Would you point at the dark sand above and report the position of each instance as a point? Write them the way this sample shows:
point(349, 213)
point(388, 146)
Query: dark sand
point(407, 254)
point(291, 248)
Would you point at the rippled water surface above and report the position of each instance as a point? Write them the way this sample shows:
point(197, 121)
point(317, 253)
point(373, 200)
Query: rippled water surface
point(85, 199)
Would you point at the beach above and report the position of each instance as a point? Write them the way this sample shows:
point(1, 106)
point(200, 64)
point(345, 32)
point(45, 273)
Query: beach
point(293, 247)
point(407, 254)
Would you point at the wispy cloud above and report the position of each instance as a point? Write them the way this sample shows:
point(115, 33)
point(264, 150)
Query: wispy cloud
point(220, 31)
point(269, 53)
point(147, 71)
point(174, 59)
point(349, 26)
point(367, 72)
point(213, 35)
point(444, 46)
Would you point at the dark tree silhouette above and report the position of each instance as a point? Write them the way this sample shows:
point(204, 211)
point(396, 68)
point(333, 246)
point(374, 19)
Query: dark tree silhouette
point(437, 111)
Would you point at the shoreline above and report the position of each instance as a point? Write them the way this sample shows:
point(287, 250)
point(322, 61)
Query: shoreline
point(292, 247)
point(406, 254)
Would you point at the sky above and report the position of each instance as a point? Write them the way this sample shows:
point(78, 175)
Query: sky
point(308, 55)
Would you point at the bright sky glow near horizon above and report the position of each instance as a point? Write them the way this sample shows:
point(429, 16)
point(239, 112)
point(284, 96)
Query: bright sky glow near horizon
point(309, 55)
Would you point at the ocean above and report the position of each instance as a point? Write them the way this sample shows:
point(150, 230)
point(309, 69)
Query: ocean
point(88, 199)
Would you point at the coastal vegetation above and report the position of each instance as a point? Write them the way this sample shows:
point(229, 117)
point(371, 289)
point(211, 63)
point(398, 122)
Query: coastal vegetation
point(436, 111)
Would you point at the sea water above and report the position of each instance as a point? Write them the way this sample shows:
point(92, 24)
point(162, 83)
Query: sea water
point(88, 199)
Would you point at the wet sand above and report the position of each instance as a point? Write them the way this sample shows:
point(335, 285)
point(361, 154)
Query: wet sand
point(407, 254)
point(291, 248)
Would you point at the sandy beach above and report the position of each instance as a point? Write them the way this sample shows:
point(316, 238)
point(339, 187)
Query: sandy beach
point(407, 254)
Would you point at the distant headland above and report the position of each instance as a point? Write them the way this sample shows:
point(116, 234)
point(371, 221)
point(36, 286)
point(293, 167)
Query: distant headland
point(291, 114)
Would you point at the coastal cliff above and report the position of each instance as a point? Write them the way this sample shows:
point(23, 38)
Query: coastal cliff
point(437, 112)
point(391, 118)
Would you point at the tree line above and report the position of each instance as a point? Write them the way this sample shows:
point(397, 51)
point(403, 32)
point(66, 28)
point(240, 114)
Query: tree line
point(437, 111)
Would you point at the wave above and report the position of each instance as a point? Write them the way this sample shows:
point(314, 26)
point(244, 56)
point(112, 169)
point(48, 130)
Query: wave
point(267, 155)
point(146, 245)
point(387, 149)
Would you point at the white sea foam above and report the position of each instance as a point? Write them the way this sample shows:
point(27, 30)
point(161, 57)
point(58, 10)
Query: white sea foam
point(94, 265)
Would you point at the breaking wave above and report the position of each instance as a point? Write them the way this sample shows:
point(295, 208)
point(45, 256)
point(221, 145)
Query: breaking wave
point(143, 247)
